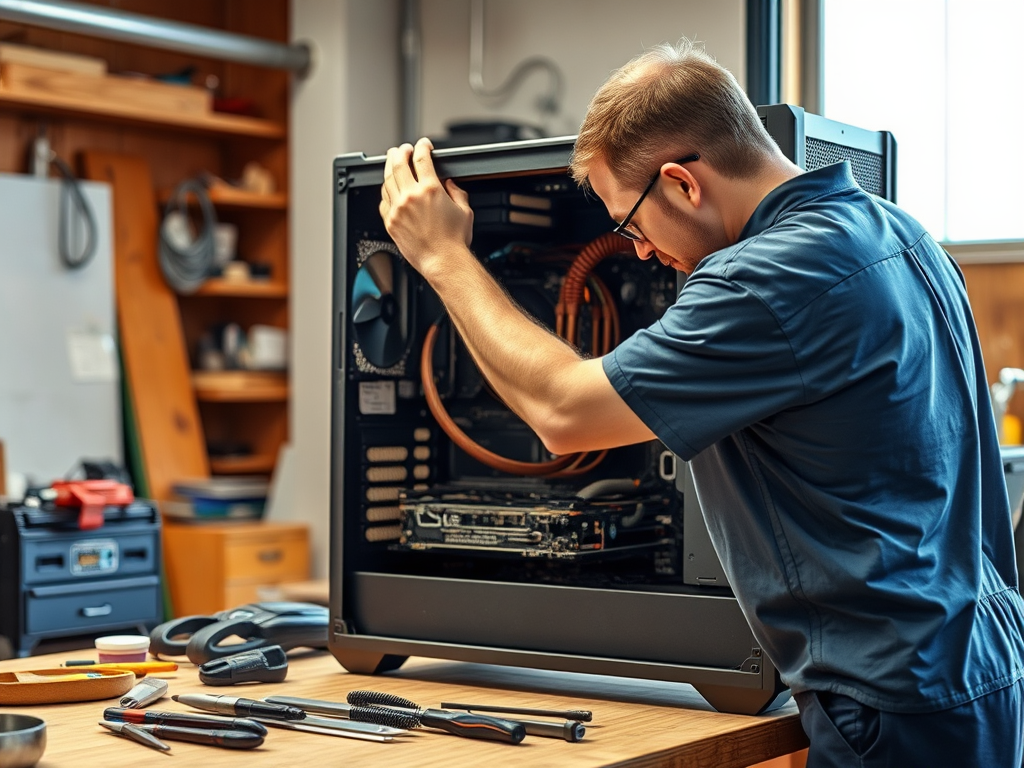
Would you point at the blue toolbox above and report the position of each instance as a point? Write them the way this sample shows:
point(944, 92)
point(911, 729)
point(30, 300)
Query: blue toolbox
point(79, 561)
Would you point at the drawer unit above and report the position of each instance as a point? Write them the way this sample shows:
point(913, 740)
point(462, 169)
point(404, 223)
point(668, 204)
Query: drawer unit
point(216, 566)
point(88, 609)
point(59, 581)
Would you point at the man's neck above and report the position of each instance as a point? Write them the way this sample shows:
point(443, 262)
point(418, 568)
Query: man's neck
point(740, 197)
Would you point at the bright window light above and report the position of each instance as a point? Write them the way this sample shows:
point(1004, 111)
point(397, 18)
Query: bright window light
point(945, 77)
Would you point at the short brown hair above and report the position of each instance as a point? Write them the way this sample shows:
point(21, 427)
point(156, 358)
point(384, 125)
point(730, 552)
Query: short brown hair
point(665, 103)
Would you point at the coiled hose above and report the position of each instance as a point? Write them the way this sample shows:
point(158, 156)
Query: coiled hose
point(605, 317)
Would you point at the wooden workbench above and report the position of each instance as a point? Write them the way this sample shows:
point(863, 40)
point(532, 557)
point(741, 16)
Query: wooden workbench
point(636, 723)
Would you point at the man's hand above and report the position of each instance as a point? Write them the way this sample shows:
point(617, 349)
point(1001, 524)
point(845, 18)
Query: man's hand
point(427, 220)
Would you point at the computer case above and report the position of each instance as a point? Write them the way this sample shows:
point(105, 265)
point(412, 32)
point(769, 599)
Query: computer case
point(812, 141)
point(437, 550)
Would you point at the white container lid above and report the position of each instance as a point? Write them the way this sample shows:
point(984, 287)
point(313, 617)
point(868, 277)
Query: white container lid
point(123, 643)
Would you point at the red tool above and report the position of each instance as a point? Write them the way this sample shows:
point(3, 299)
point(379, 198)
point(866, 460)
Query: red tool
point(91, 497)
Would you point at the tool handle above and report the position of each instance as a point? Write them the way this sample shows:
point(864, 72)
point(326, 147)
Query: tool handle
point(474, 726)
point(217, 738)
point(183, 720)
point(581, 715)
point(570, 730)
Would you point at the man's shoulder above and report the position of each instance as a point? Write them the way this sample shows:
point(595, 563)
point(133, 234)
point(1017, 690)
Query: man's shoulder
point(811, 249)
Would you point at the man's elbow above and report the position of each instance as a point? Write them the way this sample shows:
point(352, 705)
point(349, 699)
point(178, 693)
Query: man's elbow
point(562, 435)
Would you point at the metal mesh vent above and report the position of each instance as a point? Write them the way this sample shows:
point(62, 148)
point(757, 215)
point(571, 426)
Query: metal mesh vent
point(867, 166)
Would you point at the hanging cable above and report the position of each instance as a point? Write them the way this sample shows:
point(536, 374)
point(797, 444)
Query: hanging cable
point(72, 200)
point(187, 261)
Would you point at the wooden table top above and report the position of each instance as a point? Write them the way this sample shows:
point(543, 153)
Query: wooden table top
point(636, 723)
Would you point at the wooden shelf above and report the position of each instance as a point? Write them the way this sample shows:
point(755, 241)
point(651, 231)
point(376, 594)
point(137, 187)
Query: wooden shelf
point(257, 289)
point(240, 386)
point(229, 197)
point(243, 465)
point(51, 92)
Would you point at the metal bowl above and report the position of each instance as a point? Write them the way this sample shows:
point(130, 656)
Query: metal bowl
point(22, 740)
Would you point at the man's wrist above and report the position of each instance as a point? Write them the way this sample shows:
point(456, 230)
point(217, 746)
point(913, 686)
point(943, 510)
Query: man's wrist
point(437, 264)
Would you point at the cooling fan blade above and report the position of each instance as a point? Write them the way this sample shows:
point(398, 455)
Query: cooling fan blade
point(380, 309)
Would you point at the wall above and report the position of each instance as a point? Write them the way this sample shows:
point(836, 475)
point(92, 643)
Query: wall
point(349, 100)
point(994, 273)
point(351, 103)
point(587, 39)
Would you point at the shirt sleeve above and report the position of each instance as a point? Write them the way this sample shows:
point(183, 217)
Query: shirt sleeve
point(717, 361)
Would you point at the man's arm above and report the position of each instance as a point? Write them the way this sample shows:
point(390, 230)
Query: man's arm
point(566, 400)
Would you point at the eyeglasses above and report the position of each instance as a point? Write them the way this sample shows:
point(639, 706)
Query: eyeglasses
point(631, 231)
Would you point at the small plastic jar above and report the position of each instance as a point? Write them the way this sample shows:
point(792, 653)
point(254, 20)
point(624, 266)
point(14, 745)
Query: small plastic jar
point(122, 648)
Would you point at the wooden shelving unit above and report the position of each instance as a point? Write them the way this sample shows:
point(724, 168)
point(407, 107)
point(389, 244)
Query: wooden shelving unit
point(31, 89)
point(227, 197)
point(255, 288)
point(177, 136)
point(240, 386)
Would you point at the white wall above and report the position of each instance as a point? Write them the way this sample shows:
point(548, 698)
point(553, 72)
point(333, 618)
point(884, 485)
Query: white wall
point(350, 99)
point(351, 103)
point(586, 38)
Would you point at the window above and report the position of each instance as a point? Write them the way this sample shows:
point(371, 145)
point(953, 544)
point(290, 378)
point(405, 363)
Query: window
point(945, 77)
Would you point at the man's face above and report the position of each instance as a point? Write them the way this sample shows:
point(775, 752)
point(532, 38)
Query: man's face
point(671, 232)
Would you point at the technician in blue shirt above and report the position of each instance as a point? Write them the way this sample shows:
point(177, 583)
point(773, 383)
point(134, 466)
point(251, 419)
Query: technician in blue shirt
point(822, 373)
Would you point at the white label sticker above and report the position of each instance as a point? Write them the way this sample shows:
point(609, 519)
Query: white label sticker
point(377, 397)
point(92, 356)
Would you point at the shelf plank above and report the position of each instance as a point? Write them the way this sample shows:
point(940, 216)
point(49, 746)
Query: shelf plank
point(242, 465)
point(240, 386)
point(229, 197)
point(258, 289)
point(51, 92)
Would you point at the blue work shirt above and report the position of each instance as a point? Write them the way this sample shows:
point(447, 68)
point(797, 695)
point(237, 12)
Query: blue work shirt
point(824, 377)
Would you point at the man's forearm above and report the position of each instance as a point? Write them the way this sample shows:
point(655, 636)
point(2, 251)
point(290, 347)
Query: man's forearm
point(526, 364)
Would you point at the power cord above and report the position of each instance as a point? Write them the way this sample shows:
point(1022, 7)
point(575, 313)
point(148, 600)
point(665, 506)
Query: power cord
point(71, 199)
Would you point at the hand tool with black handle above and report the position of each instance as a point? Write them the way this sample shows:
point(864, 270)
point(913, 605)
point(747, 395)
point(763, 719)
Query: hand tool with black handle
point(396, 712)
point(184, 720)
point(215, 738)
point(136, 734)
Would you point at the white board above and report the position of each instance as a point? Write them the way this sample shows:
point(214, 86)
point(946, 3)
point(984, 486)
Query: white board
point(60, 397)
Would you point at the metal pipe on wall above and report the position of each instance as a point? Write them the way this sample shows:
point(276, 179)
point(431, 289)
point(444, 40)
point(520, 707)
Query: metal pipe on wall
point(126, 27)
point(412, 51)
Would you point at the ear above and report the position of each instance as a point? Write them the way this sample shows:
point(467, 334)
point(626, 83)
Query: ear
point(682, 182)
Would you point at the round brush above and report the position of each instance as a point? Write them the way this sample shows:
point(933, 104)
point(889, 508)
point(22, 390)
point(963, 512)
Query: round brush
point(396, 712)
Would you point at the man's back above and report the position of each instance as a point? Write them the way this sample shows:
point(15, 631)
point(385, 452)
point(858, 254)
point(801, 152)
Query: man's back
point(825, 377)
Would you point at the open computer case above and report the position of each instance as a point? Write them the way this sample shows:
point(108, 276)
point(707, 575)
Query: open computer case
point(454, 534)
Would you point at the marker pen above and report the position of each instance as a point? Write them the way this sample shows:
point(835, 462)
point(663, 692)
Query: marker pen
point(233, 705)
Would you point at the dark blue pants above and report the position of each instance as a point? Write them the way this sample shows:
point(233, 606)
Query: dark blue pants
point(985, 733)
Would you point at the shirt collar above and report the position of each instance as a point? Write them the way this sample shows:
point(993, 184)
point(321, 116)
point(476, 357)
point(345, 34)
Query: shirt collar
point(796, 191)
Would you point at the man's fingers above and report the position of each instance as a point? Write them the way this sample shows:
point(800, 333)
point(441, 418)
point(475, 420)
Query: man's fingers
point(456, 193)
point(397, 169)
point(422, 161)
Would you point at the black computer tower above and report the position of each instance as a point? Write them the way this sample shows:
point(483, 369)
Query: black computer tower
point(437, 550)
point(812, 141)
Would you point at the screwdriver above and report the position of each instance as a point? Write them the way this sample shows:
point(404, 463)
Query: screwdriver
point(397, 712)
point(183, 720)
point(135, 733)
point(216, 738)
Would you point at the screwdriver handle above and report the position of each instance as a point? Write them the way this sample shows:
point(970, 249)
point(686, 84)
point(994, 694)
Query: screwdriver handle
point(474, 726)
point(217, 738)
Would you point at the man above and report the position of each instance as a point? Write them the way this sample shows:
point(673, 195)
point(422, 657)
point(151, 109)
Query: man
point(822, 373)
